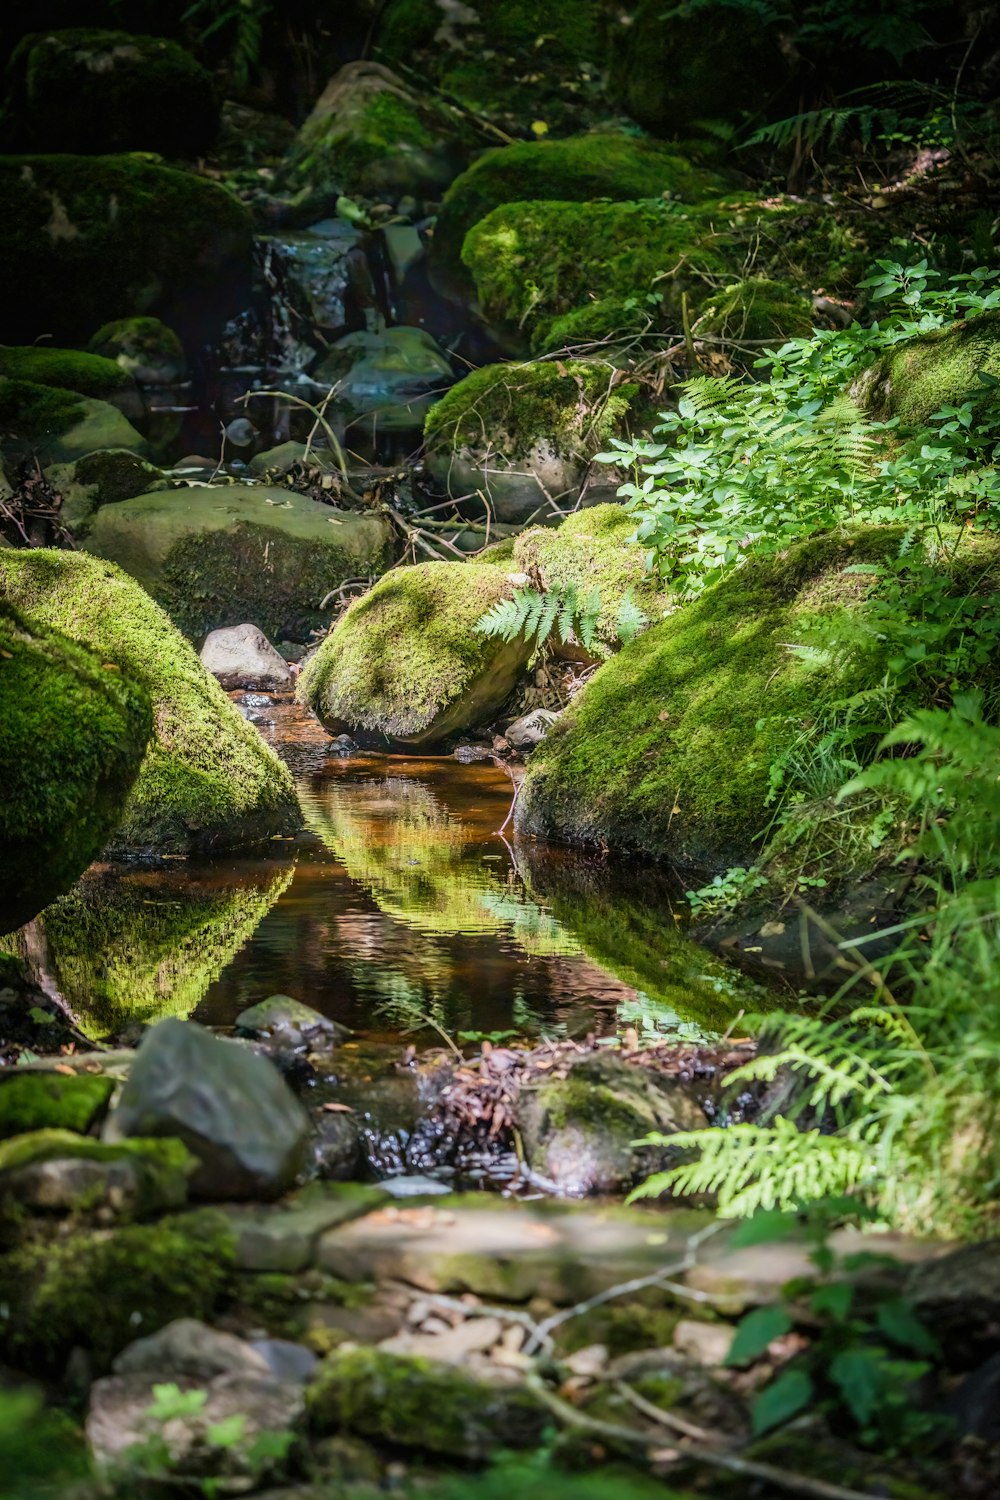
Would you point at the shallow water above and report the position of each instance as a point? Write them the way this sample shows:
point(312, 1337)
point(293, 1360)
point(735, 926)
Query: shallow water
point(399, 908)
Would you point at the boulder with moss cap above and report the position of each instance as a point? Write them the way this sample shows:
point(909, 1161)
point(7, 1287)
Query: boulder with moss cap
point(71, 370)
point(916, 378)
point(405, 665)
point(74, 725)
point(208, 780)
point(144, 348)
point(57, 426)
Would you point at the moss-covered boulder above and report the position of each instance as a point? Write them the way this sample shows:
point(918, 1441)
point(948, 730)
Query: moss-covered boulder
point(742, 316)
point(55, 1170)
point(674, 68)
point(668, 749)
point(123, 951)
point(89, 239)
point(224, 554)
point(422, 1404)
point(595, 550)
point(522, 436)
point(74, 726)
point(98, 1289)
point(102, 91)
point(915, 379)
point(208, 780)
point(58, 426)
point(555, 274)
point(144, 348)
point(405, 665)
point(369, 133)
point(42, 1100)
point(385, 381)
point(103, 477)
point(87, 374)
point(583, 167)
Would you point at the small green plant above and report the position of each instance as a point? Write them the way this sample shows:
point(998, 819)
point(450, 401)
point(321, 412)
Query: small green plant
point(723, 891)
point(563, 611)
point(152, 1458)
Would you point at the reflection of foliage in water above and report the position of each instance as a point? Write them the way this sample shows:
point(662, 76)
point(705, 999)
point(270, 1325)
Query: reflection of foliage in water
point(656, 1021)
point(126, 948)
point(422, 867)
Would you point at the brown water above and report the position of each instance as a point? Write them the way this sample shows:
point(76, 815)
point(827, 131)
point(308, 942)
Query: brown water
point(400, 907)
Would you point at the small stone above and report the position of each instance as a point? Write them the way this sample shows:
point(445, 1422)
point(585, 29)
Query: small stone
point(287, 1360)
point(414, 1186)
point(241, 656)
point(280, 1015)
point(189, 1349)
point(705, 1343)
point(530, 729)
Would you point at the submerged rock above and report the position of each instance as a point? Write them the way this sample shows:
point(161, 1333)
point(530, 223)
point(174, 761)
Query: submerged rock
point(216, 555)
point(229, 1106)
point(404, 665)
point(101, 478)
point(207, 780)
point(73, 734)
point(241, 656)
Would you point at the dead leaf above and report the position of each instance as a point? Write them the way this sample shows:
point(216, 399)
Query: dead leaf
point(338, 1109)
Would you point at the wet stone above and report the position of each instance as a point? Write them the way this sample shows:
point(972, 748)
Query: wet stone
point(241, 656)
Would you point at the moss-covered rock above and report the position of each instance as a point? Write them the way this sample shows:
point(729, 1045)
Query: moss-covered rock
point(548, 273)
point(58, 425)
point(224, 554)
point(751, 312)
point(405, 664)
point(593, 549)
point(369, 133)
point(101, 478)
point(102, 91)
point(100, 1289)
point(58, 1101)
point(208, 780)
point(524, 435)
point(73, 731)
point(419, 1403)
point(673, 69)
point(915, 379)
point(597, 165)
point(87, 374)
point(668, 748)
point(144, 348)
point(122, 951)
point(61, 1170)
point(89, 239)
point(386, 381)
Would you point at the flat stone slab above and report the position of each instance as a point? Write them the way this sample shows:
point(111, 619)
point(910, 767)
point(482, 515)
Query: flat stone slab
point(509, 1251)
point(283, 1236)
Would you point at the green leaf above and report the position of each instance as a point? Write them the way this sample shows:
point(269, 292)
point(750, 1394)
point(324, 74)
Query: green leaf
point(857, 1374)
point(756, 1331)
point(897, 1320)
point(832, 1300)
point(784, 1398)
point(768, 1225)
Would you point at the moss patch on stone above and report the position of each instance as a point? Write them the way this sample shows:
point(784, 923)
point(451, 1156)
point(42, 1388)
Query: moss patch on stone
point(146, 348)
point(87, 374)
point(73, 731)
point(208, 780)
point(100, 1289)
point(752, 311)
point(918, 377)
point(93, 238)
point(405, 663)
point(42, 1100)
point(224, 554)
point(58, 426)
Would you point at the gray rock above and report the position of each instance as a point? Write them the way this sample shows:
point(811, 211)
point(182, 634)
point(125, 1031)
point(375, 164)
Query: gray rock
point(285, 1360)
point(229, 1106)
point(188, 1349)
point(386, 380)
point(337, 1146)
point(958, 1297)
point(530, 729)
point(289, 1021)
point(284, 1238)
point(414, 1186)
point(241, 656)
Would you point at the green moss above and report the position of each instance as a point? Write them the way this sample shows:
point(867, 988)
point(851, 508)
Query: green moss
point(101, 1289)
point(59, 426)
point(162, 1166)
point(915, 379)
point(752, 311)
point(116, 92)
point(43, 1100)
point(33, 411)
point(593, 549)
point(123, 950)
point(208, 780)
point(640, 1322)
point(668, 748)
point(598, 165)
point(93, 238)
point(87, 374)
point(405, 662)
point(73, 730)
point(418, 1403)
point(145, 347)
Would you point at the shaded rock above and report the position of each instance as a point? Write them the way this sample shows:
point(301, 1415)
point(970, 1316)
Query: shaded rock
point(285, 1237)
point(337, 1146)
point(580, 1131)
point(282, 1017)
point(325, 275)
point(69, 370)
point(530, 729)
point(958, 1298)
point(421, 1404)
point(43, 1100)
point(914, 379)
point(60, 1171)
point(93, 239)
point(524, 435)
point(229, 1105)
point(118, 1419)
point(101, 478)
point(405, 665)
point(287, 1360)
point(145, 348)
point(189, 1349)
point(241, 656)
point(74, 734)
point(286, 456)
point(59, 426)
point(207, 780)
point(385, 381)
point(975, 1406)
point(116, 92)
point(215, 555)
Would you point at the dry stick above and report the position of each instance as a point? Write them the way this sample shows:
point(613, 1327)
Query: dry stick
point(795, 1484)
point(510, 814)
point(665, 1418)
